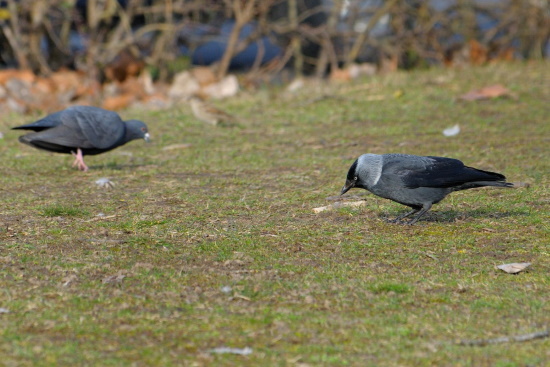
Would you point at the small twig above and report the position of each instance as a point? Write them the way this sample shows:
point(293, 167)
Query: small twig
point(431, 256)
point(322, 98)
point(506, 339)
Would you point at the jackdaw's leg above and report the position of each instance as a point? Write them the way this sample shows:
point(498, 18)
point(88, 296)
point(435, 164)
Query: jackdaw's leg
point(421, 212)
point(79, 160)
point(398, 219)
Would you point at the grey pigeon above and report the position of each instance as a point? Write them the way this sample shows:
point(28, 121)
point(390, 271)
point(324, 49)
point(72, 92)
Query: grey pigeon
point(418, 182)
point(82, 130)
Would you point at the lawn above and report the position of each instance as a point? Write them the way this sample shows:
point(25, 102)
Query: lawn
point(215, 244)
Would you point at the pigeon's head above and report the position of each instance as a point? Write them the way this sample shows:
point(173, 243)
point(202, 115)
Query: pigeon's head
point(136, 129)
point(352, 179)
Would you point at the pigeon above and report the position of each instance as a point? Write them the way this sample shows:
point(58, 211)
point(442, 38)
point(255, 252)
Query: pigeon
point(210, 114)
point(82, 130)
point(415, 181)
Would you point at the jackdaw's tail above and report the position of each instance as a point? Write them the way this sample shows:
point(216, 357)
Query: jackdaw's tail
point(484, 178)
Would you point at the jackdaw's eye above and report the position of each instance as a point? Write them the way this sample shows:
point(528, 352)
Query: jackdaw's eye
point(355, 178)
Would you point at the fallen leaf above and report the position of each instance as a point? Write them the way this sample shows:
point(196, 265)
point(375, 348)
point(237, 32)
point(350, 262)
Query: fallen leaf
point(69, 280)
point(398, 93)
point(452, 131)
point(113, 279)
point(513, 268)
point(478, 52)
point(340, 75)
point(388, 64)
point(493, 91)
point(341, 204)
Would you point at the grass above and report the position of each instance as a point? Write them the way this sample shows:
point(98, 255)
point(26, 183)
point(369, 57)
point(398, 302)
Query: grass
point(134, 274)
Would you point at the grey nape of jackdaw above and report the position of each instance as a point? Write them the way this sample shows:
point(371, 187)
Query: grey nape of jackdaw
point(82, 130)
point(418, 182)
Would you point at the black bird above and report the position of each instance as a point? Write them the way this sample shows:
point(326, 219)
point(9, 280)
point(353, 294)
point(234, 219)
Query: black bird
point(82, 130)
point(418, 182)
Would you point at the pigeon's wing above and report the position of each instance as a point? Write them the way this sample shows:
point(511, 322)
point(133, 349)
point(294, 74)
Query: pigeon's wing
point(442, 173)
point(47, 122)
point(99, 128)
point(57, 137)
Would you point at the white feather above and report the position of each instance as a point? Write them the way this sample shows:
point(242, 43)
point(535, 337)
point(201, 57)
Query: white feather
point(452, 131)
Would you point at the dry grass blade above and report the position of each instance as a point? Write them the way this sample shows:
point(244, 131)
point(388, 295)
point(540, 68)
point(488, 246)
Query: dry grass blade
point(506, 339)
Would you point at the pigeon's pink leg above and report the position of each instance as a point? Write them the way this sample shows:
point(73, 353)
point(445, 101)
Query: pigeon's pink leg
point(79, 160)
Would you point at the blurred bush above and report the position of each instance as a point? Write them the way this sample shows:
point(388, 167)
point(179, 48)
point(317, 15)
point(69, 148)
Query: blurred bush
point(110, 39)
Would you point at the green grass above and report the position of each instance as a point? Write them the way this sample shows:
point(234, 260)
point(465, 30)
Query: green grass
point(141, 283)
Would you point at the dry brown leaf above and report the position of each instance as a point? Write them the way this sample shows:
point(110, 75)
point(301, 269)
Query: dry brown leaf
point(113, 279)
point(388, 64)
point(340, 204)
point(124, 65)
point(492, 91)
point(513, 268)
point(477, 52)
point(340, 75)
point(68, 280)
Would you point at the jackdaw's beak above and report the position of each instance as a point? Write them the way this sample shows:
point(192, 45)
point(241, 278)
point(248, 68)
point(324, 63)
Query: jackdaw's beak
point(147, 137)
point(349, 184)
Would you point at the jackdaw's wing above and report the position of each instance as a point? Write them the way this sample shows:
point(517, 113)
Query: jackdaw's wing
point(99, 128)
point(444, 173)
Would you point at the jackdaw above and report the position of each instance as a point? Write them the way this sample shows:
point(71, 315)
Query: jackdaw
point(418, 182)
point(82, 130)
